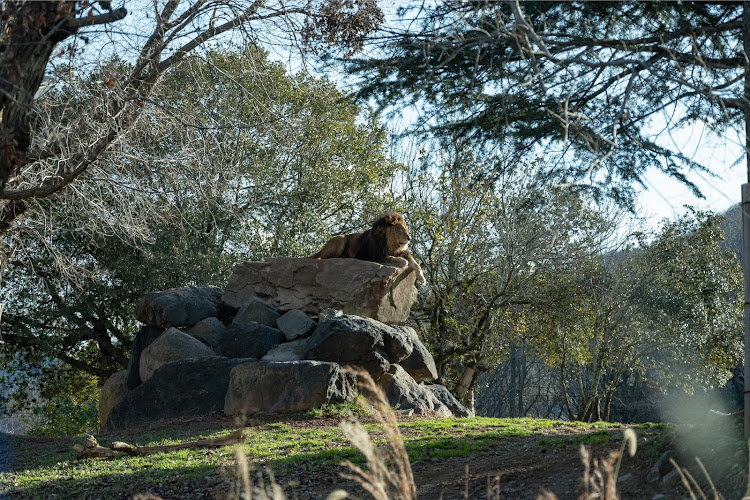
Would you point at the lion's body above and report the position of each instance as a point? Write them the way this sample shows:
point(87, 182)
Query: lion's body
point(386, 242)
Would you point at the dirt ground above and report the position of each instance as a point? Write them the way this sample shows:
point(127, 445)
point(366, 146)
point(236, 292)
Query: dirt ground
point(520, 469)
point(523, 469)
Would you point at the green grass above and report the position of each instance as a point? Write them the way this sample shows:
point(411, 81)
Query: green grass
point(43, 467)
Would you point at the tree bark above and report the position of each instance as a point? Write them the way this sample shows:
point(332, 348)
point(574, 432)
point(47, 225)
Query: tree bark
point(746, 212)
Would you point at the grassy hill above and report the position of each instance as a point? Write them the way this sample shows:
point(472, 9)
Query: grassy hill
point(450, 458)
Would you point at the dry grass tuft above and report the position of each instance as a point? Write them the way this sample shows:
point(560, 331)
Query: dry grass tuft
point(600, 476)
point(388, 475)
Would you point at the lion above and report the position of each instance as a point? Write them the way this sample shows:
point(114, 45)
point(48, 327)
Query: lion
point(385, 242)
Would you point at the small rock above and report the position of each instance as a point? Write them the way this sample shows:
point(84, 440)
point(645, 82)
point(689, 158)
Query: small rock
point(112, 392)
point(671, 479)
point(329, 313)
point(295, 323)
point(288, 351)
point(209, 331)
point(656, 471)
point(256, 310)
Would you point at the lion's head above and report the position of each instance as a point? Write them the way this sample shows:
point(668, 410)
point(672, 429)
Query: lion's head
point(391, 231)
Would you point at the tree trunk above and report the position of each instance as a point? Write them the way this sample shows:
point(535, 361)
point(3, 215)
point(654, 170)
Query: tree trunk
point(31, 31)
point(512, 384)
point(746, 213)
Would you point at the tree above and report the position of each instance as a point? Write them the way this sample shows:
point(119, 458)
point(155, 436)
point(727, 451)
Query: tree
point(666, 311)
point(41, 155)
point(483, 240)
point(596, 82)
point(241, 161)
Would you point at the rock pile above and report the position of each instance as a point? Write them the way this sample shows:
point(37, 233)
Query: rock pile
point(204, 350)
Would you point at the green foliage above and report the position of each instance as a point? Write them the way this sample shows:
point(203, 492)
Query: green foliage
point(484, 241)
point(596, 78)
point(668, 311)
point(234, 159)
point(67, 405)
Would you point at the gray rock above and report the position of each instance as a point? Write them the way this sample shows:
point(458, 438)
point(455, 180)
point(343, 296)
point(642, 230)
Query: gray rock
point(329, 313)
point(358, 287)
point(672, 478)
point(256, 310)
point(287, 387)
point(189, 387)
point(350, 340)
point(171, 345)
point(112, 392)
point(179, 306)
point(404, 393)
point(419, 364)
point(295, 323)
point(209, 331)
point(249, 340)
point(659, 467)
point(143, 338)
point(444, 396)
point(288, 351)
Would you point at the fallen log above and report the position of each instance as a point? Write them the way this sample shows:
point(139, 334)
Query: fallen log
point(235, 437)
point(91, 449)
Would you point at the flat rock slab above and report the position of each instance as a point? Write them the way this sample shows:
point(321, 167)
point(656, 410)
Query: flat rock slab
point(184, 306)
point(185, 388)
point(381, 292)
point(285, 387)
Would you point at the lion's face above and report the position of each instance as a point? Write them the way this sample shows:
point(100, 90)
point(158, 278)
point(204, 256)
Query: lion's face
point(397, 234)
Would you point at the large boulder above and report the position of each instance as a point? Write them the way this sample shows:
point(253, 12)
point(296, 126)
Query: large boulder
point(189, 387)
point(143, 338)
point(179, 306)
point(112, 392)
point(249, 340)
point(382, 292)
point(359, 341)
point(419, 364)
point(286, 387)
point(171, 345)
point(404, 393)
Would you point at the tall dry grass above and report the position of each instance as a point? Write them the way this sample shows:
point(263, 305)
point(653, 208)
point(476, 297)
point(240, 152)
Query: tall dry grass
point(388, 474)
point(600, 475)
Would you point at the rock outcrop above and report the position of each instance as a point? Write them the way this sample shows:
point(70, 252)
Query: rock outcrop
point(261, 350)
point(381, 292)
